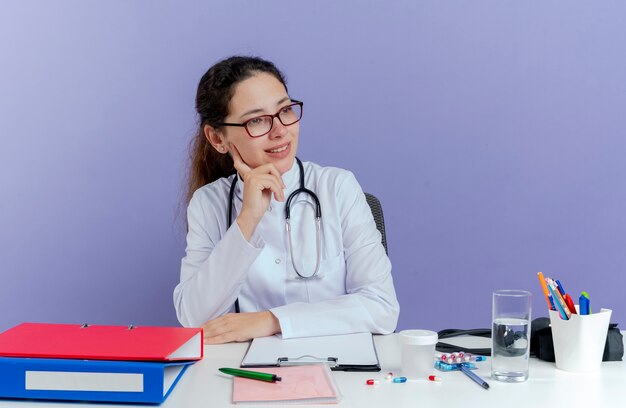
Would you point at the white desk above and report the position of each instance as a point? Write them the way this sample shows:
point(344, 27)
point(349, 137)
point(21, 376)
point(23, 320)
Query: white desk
point(204, 386)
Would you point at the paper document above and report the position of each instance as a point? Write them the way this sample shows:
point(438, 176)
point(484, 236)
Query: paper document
point(348, 352)
point(311, 384)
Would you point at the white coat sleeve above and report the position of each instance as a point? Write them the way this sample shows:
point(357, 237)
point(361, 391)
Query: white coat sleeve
point(215, 265)
point(370, 303)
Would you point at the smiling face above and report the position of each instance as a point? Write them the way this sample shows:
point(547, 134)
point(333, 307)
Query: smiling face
point(261, 94)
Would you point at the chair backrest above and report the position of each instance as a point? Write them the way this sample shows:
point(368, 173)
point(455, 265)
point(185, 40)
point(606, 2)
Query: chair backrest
point(377, 212)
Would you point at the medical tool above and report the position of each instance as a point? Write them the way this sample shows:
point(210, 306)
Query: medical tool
point(318, 219)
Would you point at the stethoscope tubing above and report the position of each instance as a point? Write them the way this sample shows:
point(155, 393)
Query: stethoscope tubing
point(293, 195)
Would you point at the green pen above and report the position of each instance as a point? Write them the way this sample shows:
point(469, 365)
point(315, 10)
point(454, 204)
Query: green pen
point(255, 375)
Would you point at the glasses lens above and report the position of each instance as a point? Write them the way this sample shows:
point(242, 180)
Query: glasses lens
point(290, 114)
point(262, 125)
point(259, 126)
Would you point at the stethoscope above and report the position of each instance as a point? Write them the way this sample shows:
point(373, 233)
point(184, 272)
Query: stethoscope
point(318, 219)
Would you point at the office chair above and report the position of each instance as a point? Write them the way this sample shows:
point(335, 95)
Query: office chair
point(377, 212)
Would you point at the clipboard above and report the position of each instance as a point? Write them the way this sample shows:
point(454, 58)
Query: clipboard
point(345, 352)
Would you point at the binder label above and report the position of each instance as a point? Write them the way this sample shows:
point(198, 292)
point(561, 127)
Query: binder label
point(82, 381)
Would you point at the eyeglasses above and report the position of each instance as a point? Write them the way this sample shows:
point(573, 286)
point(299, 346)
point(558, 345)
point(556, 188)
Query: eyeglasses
point(262, 125)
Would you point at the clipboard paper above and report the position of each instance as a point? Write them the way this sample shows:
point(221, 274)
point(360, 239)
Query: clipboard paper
point(346, 352)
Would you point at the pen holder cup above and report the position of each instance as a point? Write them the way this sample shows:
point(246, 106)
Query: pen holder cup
point(579, 342)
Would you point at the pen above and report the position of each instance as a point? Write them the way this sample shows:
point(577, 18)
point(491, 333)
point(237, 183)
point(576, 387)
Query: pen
point(559, 287)
point(585, 294)
point(255, 375)
point(474, 377)
point(567, 298)
point(583, 304)
point(544, 287)
point(558, 300)
point(570, 303)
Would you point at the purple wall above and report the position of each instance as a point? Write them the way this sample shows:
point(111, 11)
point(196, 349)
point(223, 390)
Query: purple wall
point(493, 133)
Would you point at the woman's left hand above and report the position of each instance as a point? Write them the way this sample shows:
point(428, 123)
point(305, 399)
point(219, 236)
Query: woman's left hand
point(240, 327)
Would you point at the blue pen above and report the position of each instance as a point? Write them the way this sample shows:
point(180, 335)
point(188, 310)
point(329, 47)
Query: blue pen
point(583, 302)
point(560, 287)
point(585, 294)
point(474, 377)
point(557, 304)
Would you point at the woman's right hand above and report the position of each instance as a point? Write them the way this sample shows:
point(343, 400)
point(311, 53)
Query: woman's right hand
point(260, 183)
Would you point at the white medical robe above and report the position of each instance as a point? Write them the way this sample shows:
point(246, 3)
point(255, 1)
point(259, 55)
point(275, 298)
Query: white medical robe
point(354, 291)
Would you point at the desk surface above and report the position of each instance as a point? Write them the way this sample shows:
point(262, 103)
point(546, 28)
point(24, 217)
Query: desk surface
point(204, 386)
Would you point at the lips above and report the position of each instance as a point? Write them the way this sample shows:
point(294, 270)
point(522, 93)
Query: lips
point(278, 149)
point(279, 152)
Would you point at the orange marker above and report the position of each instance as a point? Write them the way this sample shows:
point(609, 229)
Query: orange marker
point(544, 287)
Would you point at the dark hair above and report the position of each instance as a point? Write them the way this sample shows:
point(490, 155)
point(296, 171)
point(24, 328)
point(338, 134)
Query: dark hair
point(215, 91)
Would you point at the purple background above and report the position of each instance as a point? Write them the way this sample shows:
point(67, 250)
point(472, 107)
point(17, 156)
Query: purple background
point(493, 133)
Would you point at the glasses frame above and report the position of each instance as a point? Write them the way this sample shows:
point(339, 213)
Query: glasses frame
point(276, 115)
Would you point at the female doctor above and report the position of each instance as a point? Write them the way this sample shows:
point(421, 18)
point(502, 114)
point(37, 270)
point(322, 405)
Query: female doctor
point(244, 275)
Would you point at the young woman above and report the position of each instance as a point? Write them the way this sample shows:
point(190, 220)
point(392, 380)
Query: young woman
point(244, 275)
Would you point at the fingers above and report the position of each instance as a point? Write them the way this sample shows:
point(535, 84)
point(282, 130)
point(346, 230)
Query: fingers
point(271, 169)
point(241, 166)
point(225, 329)
point(268, 176)
point(222, 338)
point(240, 327)
point(217, 331)
point(218, 340)
point(264, 177)
point(243, 169)
point(263, 182)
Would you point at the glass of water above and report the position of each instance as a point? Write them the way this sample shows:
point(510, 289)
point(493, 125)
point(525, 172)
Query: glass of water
point(510, 335)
